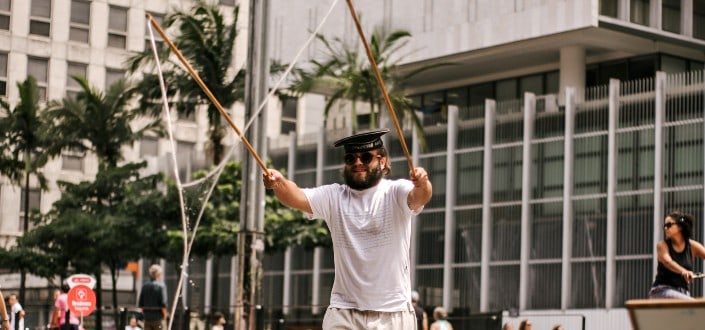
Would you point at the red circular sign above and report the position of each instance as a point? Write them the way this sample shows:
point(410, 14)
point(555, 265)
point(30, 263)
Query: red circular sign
point(81, 300)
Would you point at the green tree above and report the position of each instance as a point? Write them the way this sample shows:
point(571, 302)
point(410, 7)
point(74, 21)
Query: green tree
point(26, 147)
point(206, 39)
point(99, 122)
point(102, 123)
point(345, 74)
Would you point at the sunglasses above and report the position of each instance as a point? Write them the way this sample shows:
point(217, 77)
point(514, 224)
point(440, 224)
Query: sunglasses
point(668, 225)
point(365, 158)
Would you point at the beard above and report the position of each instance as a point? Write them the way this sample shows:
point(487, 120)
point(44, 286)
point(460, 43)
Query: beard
point(374, 175)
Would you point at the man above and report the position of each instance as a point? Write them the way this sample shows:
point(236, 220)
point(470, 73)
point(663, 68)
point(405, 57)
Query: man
point(369, 218)
point(421, 316)
point(153, 300)
point(16, 313)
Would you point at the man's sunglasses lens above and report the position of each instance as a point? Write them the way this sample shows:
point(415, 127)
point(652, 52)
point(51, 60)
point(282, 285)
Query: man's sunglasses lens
point(366, 158)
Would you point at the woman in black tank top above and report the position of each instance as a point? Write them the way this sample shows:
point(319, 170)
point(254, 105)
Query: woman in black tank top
point(675, 258)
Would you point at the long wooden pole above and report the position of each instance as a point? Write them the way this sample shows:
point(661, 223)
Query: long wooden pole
point(205, 89)
point(378, 75)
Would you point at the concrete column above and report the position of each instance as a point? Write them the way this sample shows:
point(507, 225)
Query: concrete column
point(568, 190)
point(208, 291)
point(487, 166)
point(572, 72)
point(611, 244)
point(450, 227)
point(659, 120)
point(286, 288)
point(413, 250)
point(526, 211)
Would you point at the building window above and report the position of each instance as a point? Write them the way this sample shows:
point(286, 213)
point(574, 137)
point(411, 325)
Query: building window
point(74, 69)
point(289, 107)
point(35, 199)
point(72, 160)
point(112, 76)
point(157, 37)
point(671, 19)
point(639, 12)
point(80, 21)
point(5, 14)
point(117, 27)
point(40, 18)
point(227, 2)
point(39, 69)
point(608, 8)
point(3, 74)
point(699, 19)
point(149, 147)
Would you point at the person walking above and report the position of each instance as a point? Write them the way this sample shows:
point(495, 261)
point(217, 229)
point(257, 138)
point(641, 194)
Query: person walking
point(676, 253)
point(16, 313)
point(421, 316)
point(153, 300)
point(67, 320)
point(369, 218)
point(441, 323)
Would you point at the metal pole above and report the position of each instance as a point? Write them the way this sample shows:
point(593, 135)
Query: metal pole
point(251, 238)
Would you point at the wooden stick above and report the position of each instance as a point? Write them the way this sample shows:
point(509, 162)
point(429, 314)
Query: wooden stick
point(207, 91)
point(378, 75)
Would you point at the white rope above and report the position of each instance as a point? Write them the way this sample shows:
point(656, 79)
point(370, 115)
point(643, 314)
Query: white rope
point(184, 223)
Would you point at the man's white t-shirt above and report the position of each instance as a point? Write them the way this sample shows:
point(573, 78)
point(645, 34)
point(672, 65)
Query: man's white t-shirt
point(371, 232)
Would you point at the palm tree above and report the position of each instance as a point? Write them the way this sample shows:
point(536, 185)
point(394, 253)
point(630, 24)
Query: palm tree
point(101, 123)
point(98, 122)
point(206, 40)
point(26, 146)
point(346, 75)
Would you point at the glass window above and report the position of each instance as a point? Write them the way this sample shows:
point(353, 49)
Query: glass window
point(112, 76)
point(5, 14)
point(699, 19)
point(479, 93)
point(149, 146)
point(72, 161)
point(608, 8)
point(40, 18)
point(459, 98)
point(639, 12)
point(532, 84)
point(227, 2)
point(117, 27)
point(671, 19)
point(3, 74)
point(74, 69)
point(507, 90)
point(39, 69)
point(35, 199)
point(289, 108)
point(157, 37)
point(80, 21)
point(670, 64)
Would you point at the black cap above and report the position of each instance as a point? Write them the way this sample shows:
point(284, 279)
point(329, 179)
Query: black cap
point(362, 141)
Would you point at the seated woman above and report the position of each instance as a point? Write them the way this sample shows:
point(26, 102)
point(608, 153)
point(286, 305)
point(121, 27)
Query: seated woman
point(675, 258)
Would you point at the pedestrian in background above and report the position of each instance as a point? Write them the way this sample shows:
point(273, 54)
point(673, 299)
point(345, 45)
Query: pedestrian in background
point(525, 325)
point(421, 316)
point(153, 300)
point(132, 324)
point(67, 320)
point(218, 321)
point(16, 313)
point(369, 218)
point(441, 323)
point(55, 316)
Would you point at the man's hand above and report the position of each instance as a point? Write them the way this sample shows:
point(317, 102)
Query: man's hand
point(272, 179)
point(419, 177)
